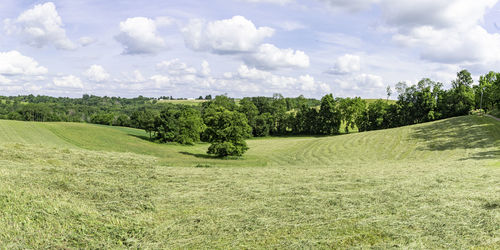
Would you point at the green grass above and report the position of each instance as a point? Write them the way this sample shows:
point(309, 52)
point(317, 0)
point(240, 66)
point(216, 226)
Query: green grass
point(495, 112)
point(71, 185)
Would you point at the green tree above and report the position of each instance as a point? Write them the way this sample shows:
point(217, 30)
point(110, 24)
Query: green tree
point(329, 116)
point(462, 95)
point(181, 124)
point(263, 124)
point(144, 119)
point(488, 90)
point(251, 112)
point(351, 110)
point(227, 131)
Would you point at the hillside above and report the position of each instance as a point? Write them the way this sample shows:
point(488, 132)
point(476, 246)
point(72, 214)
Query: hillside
point(433, 185)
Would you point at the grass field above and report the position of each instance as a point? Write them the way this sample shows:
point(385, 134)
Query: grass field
point(72, 185)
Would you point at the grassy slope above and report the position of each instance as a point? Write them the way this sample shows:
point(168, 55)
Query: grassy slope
point(425, 186)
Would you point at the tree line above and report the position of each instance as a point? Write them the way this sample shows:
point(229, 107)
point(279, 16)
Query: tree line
point(226, 123)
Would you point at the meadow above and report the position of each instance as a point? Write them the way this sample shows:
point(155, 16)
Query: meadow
point(76, 185)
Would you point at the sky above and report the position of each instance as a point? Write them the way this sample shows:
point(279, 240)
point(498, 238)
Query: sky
point(241, 48)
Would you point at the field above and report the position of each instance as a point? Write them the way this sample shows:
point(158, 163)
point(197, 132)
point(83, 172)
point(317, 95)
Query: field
point(73, 185)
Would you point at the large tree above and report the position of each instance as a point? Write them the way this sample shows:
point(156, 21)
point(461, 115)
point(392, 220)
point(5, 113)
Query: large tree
point(461, 98)
point(226, 131)
point(179, 124)
point(329, 116)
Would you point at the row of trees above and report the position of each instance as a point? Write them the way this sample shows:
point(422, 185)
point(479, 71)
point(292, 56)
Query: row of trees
point(225, 123)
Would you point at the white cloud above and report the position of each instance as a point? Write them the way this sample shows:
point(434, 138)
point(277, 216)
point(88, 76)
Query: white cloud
point(205, 68)
point(435, 13)
point(40, 26)
point(69, 81)
point(4, 80)
point(369, 81)
point(444, 31)
point(96, 73)
point(366, 85)
point(86, 41)
point(225, 36)
point(255, 80)
point(139, 35)
point(269, 56)
point(136, 77)
point(14, 63)
point(161, 81)
point(175, 67)
point(346, 64)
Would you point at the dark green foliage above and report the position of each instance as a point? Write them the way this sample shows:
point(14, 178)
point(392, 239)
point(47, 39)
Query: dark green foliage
point(459, 100)
point(220, 101)
point(122, 120)
point(418, 103)
point(180, 124)
point(247, 107)
point(103, 118)
point(351, 111)
point(262, 125)
point(329, 116)
point(276, 115)
point(374, 116)
point(144, 119)
point(306, 121)
point(488, 91)
point(227, 131)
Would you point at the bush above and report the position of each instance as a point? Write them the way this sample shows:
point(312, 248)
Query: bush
point(227, 131)
point(227, 148)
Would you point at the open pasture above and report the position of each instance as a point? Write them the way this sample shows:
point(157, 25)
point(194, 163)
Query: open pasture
point(70, 185)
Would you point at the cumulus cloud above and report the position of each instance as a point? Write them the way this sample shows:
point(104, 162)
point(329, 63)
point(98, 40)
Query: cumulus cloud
point(435, 13)
point(139, 35)
point(445, 31)
point(233, 35)
point(96, 73)
point(369, 81)
point(161, 81)
point(86, 41)
point(175, 67)
point(269, 56)
point(14, 63)
point(69, 81)
point(367, 85)
point(40, 26)
point(4, 80)
point(135, 77)
point(346, 64)
point(255, 80)
point(205, 68)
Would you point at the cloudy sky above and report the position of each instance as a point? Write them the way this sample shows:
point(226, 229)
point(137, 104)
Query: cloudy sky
point(241, 47)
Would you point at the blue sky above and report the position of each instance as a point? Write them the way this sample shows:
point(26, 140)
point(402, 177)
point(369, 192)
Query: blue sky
point(241, 47)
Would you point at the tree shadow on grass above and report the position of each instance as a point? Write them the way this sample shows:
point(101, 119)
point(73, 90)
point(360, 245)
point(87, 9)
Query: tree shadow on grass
point(492, 154)
point(142, 137)
point(203, 156)
point(469, 132)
